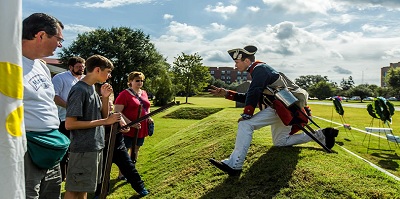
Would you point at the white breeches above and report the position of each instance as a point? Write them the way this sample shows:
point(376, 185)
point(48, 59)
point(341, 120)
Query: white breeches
point(280, 135)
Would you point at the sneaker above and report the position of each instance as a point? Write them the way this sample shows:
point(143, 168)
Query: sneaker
point(143, 192)
point(330, 134)
point(225, 168)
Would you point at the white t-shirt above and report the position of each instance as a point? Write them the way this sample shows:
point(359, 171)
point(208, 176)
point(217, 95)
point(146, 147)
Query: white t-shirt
point(63, 83)
point(40, 110)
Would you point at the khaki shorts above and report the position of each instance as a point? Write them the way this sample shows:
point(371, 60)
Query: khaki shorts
point(84, 171)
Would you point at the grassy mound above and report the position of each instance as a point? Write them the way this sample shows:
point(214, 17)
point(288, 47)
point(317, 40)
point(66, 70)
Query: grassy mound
point(174, 163)
point(193, 113)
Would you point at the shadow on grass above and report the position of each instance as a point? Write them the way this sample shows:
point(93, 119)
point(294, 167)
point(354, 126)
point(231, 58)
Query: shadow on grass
point(387, 160)
point(264, 179)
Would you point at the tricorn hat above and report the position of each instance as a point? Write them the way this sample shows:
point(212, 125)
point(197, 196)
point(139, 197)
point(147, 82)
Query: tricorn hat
point(239, 53)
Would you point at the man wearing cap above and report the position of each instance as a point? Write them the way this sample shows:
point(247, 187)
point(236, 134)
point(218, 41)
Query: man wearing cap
point(263, 76)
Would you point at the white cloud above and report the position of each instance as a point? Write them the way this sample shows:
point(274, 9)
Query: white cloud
point(168, 16)
point(343, 19)
point(364, 4)
point(301, 6)
point(346, 37)
point(374, 29)
point(287, 39)
point(76, 28)
point(392, 53)
point(110, 3)
point(221, 9)
point(254, 8)
point(184, 32)
point(218, 27)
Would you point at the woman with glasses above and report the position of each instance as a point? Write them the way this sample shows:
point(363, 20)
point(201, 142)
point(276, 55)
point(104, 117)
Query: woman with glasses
point(128, 103)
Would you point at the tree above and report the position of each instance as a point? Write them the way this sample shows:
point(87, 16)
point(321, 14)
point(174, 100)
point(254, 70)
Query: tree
point(392, 79)
point(305, 82)
point(362, 90)
point(190, 74)
point(347, 84)
point(383, 91)
point(217, 82)
point(322, 90)
point(129, 50)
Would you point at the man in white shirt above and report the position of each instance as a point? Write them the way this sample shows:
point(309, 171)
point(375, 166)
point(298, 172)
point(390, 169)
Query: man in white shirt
point(63, 83)
point(41, 35)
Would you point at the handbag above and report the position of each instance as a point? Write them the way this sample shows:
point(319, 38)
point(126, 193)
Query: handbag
point(151, 128)
point(47, 148)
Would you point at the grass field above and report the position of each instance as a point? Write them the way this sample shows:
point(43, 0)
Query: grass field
point(174, 161)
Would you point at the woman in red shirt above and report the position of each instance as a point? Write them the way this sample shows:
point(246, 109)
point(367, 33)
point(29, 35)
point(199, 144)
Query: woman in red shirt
point(128, 103)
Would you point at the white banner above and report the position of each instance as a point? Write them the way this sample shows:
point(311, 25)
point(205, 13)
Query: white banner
point(12, 130)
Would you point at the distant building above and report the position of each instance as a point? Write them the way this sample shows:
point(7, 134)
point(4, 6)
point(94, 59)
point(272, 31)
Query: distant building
point(55, 66)
point(384, 71)
point(229, 74)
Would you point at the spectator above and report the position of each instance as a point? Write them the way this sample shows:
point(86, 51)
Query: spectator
point(41, 35)
point(86, 115)
point(123, 160)
point(62, 85)
point(128, 103)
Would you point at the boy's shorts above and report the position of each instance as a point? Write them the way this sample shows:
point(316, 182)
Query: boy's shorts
point(129, 141)
point(84, 171)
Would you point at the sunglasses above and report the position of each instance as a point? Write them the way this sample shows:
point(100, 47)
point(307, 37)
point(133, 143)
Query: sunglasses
point(138, 80)
point(59, 39)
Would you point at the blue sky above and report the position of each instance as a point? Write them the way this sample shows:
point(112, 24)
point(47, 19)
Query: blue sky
point(334, 38)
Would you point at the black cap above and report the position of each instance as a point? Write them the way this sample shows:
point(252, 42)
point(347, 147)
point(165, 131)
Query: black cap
point(239, 53)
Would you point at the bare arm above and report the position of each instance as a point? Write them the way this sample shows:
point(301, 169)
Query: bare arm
point(118, 108)
point(72, 123)
point(60, 102)
point(105, 107)
point(106, 90)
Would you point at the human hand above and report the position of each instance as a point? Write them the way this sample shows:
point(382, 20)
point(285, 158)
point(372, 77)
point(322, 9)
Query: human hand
point(113, 118)
point(106, 90)
point(137, 126)
point(122, 123)
point(221, 92)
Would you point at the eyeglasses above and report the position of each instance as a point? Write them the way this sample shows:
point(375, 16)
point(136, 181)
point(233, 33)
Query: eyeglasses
point(138, 80)
point(60, 40)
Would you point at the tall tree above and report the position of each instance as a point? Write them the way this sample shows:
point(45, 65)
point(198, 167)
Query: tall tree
point(128, 49)
point(322, 90)
point(190, 74)
point(392, 79)
point(347, 84)
point(362, 90)
point(305, 82)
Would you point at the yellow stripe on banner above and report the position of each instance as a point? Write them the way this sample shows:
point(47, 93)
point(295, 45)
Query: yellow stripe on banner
point(14, 121)
point(11, 80)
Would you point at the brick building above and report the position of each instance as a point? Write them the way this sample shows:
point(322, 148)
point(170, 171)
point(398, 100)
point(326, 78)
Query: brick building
point(384, 71)
point(229, 74)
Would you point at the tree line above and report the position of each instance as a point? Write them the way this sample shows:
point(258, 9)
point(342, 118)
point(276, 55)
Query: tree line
point(321, 87)
point(131, 50)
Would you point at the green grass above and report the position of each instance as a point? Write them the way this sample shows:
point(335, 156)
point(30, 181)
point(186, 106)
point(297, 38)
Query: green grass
point(196, 113)
point(174, 161)
point(380, 151)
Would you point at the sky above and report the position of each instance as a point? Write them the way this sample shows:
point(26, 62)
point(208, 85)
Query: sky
point(333, 38)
